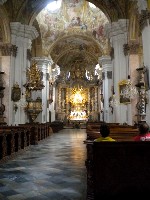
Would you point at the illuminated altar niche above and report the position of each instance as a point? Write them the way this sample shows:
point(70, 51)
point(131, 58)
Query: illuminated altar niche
point(78, 99)
point(78, 115)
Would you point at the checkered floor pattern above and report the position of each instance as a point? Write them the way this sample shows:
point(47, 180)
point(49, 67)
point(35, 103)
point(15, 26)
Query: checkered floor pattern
point(52, 170)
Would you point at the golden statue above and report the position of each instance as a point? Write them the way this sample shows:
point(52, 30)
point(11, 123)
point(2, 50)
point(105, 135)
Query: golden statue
point(34, 78)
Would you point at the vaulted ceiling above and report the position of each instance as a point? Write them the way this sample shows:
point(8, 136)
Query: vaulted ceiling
point(74, 34)
point(114, 9)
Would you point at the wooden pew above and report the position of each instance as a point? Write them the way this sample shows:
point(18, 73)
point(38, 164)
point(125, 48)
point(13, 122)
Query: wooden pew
point(3, 146)
point(16, 138)
point(56, 126)
point(118, 170)
point(118, 132)
point(38, 131)
point(12, 140)
point(95, 126)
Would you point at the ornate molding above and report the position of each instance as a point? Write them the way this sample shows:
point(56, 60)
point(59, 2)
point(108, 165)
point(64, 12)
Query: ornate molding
point(104, 60)
point(109, 74)
point(8, 50)
point(29, 55)
point(144, 19)
point(112, 53)
point(22, 30)
point(116, 28)
point(132, 48)
point(126, 49)
point(103, 75)
point(42, 61)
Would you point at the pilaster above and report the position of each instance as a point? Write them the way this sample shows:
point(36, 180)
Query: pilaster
point(21, 37)
point(117, 32)
point(8, 53)
point(106, 63)
point(145, 31)
point(43, 64)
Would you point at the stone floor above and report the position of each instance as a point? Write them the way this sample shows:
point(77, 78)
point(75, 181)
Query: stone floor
point(52, 170)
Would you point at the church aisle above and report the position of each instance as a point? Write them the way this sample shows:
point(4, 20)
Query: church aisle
point(52, 170)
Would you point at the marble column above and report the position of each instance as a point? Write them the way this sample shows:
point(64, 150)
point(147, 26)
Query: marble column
point(106, 63)
point(117, 32)
point(43, 64)
point(21, 36)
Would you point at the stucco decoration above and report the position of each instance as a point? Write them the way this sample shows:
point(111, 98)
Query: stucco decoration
point(113, 9)
point(76, 27)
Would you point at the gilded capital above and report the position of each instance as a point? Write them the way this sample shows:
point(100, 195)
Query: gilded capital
point(132, 48)
point(8, 50)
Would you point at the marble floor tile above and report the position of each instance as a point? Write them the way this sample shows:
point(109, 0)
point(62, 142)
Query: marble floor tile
point(52, 170)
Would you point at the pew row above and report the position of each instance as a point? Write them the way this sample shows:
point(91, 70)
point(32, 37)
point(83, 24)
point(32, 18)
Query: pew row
point(13, 139)
point(118, 170)
point(118, 132)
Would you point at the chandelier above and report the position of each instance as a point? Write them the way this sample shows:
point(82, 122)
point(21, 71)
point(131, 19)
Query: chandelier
point(129, 91)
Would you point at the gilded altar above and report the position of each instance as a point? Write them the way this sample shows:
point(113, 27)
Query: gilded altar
point(77, 103)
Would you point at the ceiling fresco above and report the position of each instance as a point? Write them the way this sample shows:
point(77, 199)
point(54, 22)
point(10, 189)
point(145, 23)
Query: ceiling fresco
point(74, 32)
point(114, 9)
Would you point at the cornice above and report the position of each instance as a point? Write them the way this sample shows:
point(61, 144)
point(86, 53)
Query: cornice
point(132, 48)
point(24, 31)
point(105, 60)
point(42, 60)
point(116, 28)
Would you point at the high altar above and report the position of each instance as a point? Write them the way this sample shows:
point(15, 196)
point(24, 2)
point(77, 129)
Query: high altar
point(77, 103)
point(77, 95)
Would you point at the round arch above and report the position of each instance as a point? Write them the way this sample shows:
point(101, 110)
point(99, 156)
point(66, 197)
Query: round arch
point(84, 37)
point(4, 26)
point(114, 9)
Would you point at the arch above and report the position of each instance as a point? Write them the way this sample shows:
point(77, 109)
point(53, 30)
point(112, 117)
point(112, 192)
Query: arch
point(37, 43)
point(114, 9)
point(86, 37)
point(63, 51)
point(4, 26)
point(133, 23)
point(88, 54)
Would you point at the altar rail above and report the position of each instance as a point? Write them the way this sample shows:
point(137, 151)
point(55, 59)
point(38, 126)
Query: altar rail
point(118, 170)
